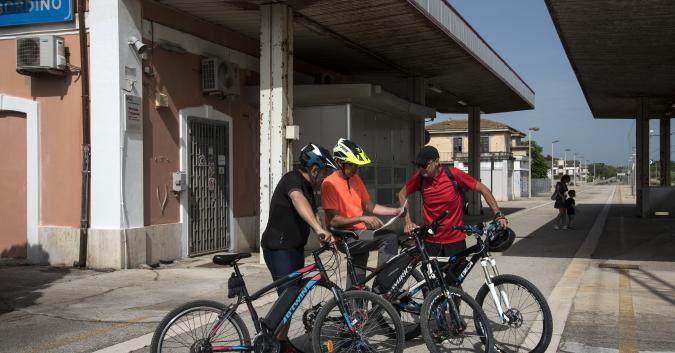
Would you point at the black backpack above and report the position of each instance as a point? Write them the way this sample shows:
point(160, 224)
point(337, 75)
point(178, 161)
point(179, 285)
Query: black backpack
point(455, 184)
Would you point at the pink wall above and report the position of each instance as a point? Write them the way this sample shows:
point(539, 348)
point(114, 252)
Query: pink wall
point(178, 76)
point(13, 184)
point(60, 132)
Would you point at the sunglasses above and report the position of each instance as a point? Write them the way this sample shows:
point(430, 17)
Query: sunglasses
point(423, 166)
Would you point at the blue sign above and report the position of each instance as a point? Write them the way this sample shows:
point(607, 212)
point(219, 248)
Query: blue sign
point(27, 12)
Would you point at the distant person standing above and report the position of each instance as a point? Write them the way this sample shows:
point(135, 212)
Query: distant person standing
point(560, 196)
point(570, 207)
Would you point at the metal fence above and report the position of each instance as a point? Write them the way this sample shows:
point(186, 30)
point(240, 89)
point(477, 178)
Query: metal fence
point(541, 186)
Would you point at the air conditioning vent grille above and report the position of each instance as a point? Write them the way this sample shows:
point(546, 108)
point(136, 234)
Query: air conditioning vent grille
point(209, 74)
point(28, 52)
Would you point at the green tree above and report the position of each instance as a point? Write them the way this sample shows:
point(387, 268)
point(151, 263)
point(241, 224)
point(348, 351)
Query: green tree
point(602, 170)
point(540, 165)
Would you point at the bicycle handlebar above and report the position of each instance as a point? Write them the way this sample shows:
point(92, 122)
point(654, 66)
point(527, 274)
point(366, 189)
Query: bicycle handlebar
point(478, 229)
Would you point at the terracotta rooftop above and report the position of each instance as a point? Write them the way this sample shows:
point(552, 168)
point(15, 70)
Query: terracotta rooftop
point(485, 124)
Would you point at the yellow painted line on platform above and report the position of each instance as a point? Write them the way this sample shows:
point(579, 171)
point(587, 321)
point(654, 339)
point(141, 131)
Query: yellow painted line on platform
point(628, 342)
point(562, 297)
point(84, 335)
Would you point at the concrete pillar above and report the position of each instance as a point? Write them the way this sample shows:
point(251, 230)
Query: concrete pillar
point(642, 156)
point(417, 89)
point(116, 136)
point(276, 99)
point(474, 157)
point(665, 151)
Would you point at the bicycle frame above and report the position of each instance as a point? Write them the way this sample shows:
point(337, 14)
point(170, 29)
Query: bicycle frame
point(480, 253)
point(431, 271)
point(302, 274)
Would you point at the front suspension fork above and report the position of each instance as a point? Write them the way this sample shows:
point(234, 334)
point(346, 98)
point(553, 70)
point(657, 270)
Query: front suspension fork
point(490, 273)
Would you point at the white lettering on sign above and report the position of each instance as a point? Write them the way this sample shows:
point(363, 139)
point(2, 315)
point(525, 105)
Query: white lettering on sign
point(30, 6)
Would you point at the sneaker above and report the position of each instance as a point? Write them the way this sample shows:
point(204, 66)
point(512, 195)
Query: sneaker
point(556, 227)
point(563, 227)
point(570, 227)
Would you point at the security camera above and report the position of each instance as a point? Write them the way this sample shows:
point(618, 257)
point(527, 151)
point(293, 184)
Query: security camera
point(138, 45)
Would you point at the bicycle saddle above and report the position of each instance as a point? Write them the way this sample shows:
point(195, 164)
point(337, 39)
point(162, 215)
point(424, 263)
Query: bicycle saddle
point(344, 233)
point(229, 259)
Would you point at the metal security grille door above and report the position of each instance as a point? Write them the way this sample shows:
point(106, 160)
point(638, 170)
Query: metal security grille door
point(208, 189)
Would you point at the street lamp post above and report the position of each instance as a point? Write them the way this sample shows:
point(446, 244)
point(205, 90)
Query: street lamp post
point(552, 145)
point(565, 162)
point(529, 154)
point(574, 168)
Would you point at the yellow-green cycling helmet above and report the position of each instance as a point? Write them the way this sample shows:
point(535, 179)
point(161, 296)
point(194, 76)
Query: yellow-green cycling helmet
point(349, 152)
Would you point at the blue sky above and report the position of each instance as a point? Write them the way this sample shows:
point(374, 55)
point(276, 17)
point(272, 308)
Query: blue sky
point(523, 34)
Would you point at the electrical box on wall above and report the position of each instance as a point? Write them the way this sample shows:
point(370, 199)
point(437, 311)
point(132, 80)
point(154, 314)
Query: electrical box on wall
point(179, 181)
point(43, 54)
point(293, 132)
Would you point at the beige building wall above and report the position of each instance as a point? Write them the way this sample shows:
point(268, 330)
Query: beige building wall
point(443, 142)
point(498, 142)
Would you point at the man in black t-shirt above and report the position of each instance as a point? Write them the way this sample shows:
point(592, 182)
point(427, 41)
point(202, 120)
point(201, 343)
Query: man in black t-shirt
point(293, 211)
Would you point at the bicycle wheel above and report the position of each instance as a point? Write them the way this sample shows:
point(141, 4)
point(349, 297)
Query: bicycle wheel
point(530, 323)
point(375, 325)
point(409, 304)
point(187, 328)
point(442, 333)
point(302, 321)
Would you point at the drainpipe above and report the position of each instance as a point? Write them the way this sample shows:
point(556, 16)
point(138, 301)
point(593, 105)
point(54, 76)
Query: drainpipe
point(86, 147)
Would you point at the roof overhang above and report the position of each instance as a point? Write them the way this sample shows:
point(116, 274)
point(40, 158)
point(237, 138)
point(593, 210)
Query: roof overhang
point(620, 51)
point(393, 39)
point(366, 95)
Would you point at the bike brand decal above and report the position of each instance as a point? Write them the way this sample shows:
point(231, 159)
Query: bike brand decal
point(300, 297)
point(402, 276)
point(466, 270)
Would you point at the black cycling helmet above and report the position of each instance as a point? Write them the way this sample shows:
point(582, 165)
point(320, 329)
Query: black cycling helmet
point(500, 239)
point(313, 154)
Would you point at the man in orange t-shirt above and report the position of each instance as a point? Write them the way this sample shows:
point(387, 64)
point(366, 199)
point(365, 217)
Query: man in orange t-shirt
point(344, 199)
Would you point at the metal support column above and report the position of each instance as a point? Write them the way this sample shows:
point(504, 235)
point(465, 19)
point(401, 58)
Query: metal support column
point(474, 157)
point(642, 156)
point(665, 151)
point(276, 99)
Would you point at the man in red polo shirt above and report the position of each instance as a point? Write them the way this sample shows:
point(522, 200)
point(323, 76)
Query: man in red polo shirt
point(441, 187)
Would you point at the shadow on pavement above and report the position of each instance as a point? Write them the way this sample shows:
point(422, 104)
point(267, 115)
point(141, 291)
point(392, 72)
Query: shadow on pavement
point(21, 283)
point(548, 242)
point(486, 214)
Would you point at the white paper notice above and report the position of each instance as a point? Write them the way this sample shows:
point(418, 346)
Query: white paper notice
point(393, 219)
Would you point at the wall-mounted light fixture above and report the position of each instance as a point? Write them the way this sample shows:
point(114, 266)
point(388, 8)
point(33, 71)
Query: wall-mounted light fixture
point(138, 45)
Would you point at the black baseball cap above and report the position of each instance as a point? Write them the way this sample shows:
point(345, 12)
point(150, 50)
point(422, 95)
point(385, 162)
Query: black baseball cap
point(425, 155)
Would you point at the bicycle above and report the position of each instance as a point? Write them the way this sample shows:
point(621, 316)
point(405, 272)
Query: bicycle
point(350, 320)
point(441, 320)
point(507, 308)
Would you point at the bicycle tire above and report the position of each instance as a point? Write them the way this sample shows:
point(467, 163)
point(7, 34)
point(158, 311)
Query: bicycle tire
point(498, 327)
point(358, 296)
point(215, 308)
point(412, 329)
point(483, 332)
point(302, 321)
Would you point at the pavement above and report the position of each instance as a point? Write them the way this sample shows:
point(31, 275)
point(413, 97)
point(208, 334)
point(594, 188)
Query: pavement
point(609, 283)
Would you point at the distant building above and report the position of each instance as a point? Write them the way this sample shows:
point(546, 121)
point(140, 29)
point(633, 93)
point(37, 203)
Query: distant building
point(504, 161)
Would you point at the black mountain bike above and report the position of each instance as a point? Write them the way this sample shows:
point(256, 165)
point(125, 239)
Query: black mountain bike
point(354, 321)
point(448, 318)
point(519, 315)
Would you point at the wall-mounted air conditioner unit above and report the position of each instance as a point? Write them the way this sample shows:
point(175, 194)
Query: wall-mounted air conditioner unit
point(220, 77)
point(43, 54)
